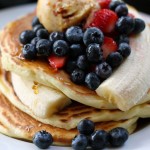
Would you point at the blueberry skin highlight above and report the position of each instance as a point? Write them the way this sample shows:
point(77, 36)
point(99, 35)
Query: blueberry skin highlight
point(80, 142)
point(26, 36)
point(93, 35)
point(86, 127)
point(42, 139)
point(92, 81)
point(118, 136)
point(29, 52)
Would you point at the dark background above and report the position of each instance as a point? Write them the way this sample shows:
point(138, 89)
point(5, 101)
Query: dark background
point(142, 5)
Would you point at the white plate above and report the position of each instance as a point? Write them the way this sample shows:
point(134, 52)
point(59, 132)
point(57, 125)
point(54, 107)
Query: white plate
point(138, 141)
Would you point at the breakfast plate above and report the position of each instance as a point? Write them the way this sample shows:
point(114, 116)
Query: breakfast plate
point(138, 140)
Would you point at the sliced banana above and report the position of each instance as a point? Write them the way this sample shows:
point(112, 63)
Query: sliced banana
point(38, 97)
point(131, 81)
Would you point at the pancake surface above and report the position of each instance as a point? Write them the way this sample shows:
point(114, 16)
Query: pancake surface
point(22, 126)
point(69, 117)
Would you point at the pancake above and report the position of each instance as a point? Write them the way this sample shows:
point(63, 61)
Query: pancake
point(70, 116)
point(22, 126)
point(40, 70)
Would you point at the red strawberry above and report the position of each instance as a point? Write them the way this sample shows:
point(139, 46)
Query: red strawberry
point(104, 19)
point(104, 3)
point(57, 62)
point(109, 46)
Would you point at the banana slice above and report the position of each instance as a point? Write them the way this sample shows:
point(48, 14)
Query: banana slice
point(38, 97)
point(131, 81)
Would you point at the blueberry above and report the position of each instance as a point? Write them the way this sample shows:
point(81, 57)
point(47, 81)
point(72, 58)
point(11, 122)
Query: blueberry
point(93, 35)
point(60, 48)
point(35, 40)
point(125, 25)
point(80, 142)
point(54, 36)
point(114, 4)
point(35, 21)
point(114, 59)
point(121, 10)
point(139, 26)
point(124, 39)
point(26, 36)
point(118, 136)
point(104, 70)
point(74, 35)
point(99, 140)
point(44, 47)
point(82, 62)
point(37, 27)
point(42, 139)
point(76, 50)
point(71, 66)
point(29, 51)
point(78, 76)
point(124, 49)
point(94, 53)
point(86, 127)
point(92, 81)
point(42, 33)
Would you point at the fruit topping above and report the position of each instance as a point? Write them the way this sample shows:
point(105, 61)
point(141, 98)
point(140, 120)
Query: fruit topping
point(105, 20)
point(78, 76)
point(104, 70)
point(114, 3)
point(43, 139)
point(57, 62)
point(114, 59)
point(86, 127)
point(139, 26)
point(90, 51)
point(121, 10)
point(104, 3)
point(99, 140)
point(123, 39)
point(42, 33)
point(35, 21)
point(118, 136)
point(29, 51)
point(60, 48)
point(76, 50)
point(55, 36)
point(80, 142)
point(43, 47)
point(82, 62)
point(93, 35)
point(124, 49)
point(94, 53)
point(26, 36)
point(109, 46)
point(92, 81)
point(74, 35)
point(35, 40)
point(71, 66)
point(125, 25)
point(37, 27)
point(88, 138)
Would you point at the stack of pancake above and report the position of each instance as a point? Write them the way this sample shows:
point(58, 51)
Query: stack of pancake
point(35, 97)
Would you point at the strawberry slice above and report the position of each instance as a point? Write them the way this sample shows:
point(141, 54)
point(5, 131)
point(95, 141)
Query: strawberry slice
point(57, 62)
point(104, 19)
point(109, 46)
point(104, 3)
